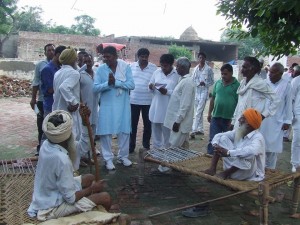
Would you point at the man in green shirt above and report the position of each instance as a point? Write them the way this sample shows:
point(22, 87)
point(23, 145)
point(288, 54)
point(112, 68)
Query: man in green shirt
point(222, 104)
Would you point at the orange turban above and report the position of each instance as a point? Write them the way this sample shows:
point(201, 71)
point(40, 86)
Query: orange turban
point(253, 118)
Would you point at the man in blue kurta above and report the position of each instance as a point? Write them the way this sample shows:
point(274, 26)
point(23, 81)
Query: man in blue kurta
point(113, 81)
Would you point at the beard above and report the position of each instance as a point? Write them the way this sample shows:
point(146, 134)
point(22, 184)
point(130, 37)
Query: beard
point(240, 132)
point(72, 149)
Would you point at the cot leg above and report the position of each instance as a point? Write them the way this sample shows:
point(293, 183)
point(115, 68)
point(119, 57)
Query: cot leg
point(296, 195)
point(263, 194)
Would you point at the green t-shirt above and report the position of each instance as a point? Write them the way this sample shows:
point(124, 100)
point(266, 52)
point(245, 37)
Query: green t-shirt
point(226, 99)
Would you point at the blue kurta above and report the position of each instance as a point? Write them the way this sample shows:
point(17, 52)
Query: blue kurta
point(114, 111)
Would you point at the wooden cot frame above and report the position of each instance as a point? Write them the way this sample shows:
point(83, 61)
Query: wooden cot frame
point(260, 189)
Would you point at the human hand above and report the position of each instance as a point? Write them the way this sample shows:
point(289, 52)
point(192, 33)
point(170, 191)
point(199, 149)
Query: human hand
point(111, 79)
point(219, 150)
point(85, 113)
point(209, 118)
point(202, 83)
point(32, 102)
point(73, 108)
point(163, 91)
point(98, 186)
point(151, 86)
point(285, 126)
point(175, 127)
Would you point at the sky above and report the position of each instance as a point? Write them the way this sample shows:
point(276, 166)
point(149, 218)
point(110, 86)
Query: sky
point(155, 18)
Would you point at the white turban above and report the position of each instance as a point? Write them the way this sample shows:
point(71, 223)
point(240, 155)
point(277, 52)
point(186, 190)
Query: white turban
point(60, 133)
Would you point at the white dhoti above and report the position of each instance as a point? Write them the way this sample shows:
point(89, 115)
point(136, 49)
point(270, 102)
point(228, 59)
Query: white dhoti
point(295, 156)
point(179, 139)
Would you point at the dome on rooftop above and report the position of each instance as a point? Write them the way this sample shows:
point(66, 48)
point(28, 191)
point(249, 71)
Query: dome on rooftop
point(189, 35)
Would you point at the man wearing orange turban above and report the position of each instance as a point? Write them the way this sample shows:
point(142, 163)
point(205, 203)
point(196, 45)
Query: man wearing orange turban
point(243, 150)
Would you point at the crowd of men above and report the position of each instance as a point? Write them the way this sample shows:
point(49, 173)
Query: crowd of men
point(248, 120)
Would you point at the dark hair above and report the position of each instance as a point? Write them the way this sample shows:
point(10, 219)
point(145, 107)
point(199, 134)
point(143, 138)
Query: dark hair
point(110, 50)
point(47, 45)
point(202, 53)
point(254, 62)
point(167, 58)
point(59, 49)
point(227, 67)
point(143, 51)
point(82, 53)
point(294, 64)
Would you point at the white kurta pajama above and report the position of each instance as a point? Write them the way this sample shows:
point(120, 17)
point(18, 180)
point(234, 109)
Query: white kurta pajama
point(206, 75)
point(114, 110)
point(271, 127)
point(255, 94)
point(89, 97)
point(180, 110)
point(67, 92)
point(158, 108)
point(248, 154)
point(295, 156)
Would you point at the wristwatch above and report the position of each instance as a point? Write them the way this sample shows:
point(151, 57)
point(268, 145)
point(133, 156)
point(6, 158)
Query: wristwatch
point(228, 153)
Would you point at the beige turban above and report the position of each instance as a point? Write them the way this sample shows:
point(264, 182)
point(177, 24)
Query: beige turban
point(60, 133)
point(68, 56)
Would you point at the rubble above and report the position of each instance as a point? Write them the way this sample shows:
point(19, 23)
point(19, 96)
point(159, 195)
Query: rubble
point(13, 87)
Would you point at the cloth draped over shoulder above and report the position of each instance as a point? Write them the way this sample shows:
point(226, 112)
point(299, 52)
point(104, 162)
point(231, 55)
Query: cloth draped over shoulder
point(255, 94)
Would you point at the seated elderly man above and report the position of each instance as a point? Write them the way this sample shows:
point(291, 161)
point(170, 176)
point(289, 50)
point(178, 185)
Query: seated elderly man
point(243, 150)
point(56, 192)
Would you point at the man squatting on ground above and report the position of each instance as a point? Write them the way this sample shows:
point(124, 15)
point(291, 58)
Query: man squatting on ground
point(243, 150)
point(56, 192)
point(179, 115)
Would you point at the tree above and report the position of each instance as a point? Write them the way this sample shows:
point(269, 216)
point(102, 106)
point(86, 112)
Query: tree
point(60, 29)
point(85, 26)
point(7, 20)
point(180, 51)
point(276, 22)
point(29, 19)
point(248, 46)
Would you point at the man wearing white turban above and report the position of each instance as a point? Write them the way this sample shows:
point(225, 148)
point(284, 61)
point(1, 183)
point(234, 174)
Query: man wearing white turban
point(56, 192)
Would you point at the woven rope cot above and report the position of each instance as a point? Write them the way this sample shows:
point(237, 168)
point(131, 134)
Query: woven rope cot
point(197, 164)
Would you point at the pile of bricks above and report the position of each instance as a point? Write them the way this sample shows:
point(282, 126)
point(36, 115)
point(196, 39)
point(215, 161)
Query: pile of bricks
point(12, 87)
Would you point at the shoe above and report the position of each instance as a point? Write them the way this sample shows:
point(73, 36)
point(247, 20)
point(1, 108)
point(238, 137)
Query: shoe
point(199, 133)
point(124, 161)
point(192, 136)
point(109, 165)
point(293, 169)
point(163, 169)
point(196, 211)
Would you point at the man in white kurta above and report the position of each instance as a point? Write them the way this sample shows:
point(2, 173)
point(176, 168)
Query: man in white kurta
point(162, 84)
point(273, 127)
point(114, 81)
point(179, 116)
point(254, 92)
point(203, 77)
point(66, 88)
point(243, 150)
point(295, 157)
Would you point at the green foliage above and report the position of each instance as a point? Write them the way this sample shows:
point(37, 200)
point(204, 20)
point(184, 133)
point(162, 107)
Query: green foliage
point(60, 29)
point(248, 46)
point(29, 19)
point(85, 26)
point(276, 22)
point(7, 10)
point(180, 51)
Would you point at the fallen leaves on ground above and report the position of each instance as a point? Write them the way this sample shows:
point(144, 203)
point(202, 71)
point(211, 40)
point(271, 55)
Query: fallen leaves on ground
point(12, 87)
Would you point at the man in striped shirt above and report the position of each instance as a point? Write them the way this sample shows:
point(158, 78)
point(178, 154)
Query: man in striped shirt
point(140, 97)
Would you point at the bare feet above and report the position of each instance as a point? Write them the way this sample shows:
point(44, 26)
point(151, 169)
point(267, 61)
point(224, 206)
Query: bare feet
point(124, 219)
point(210, 171)
point(222, 175)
